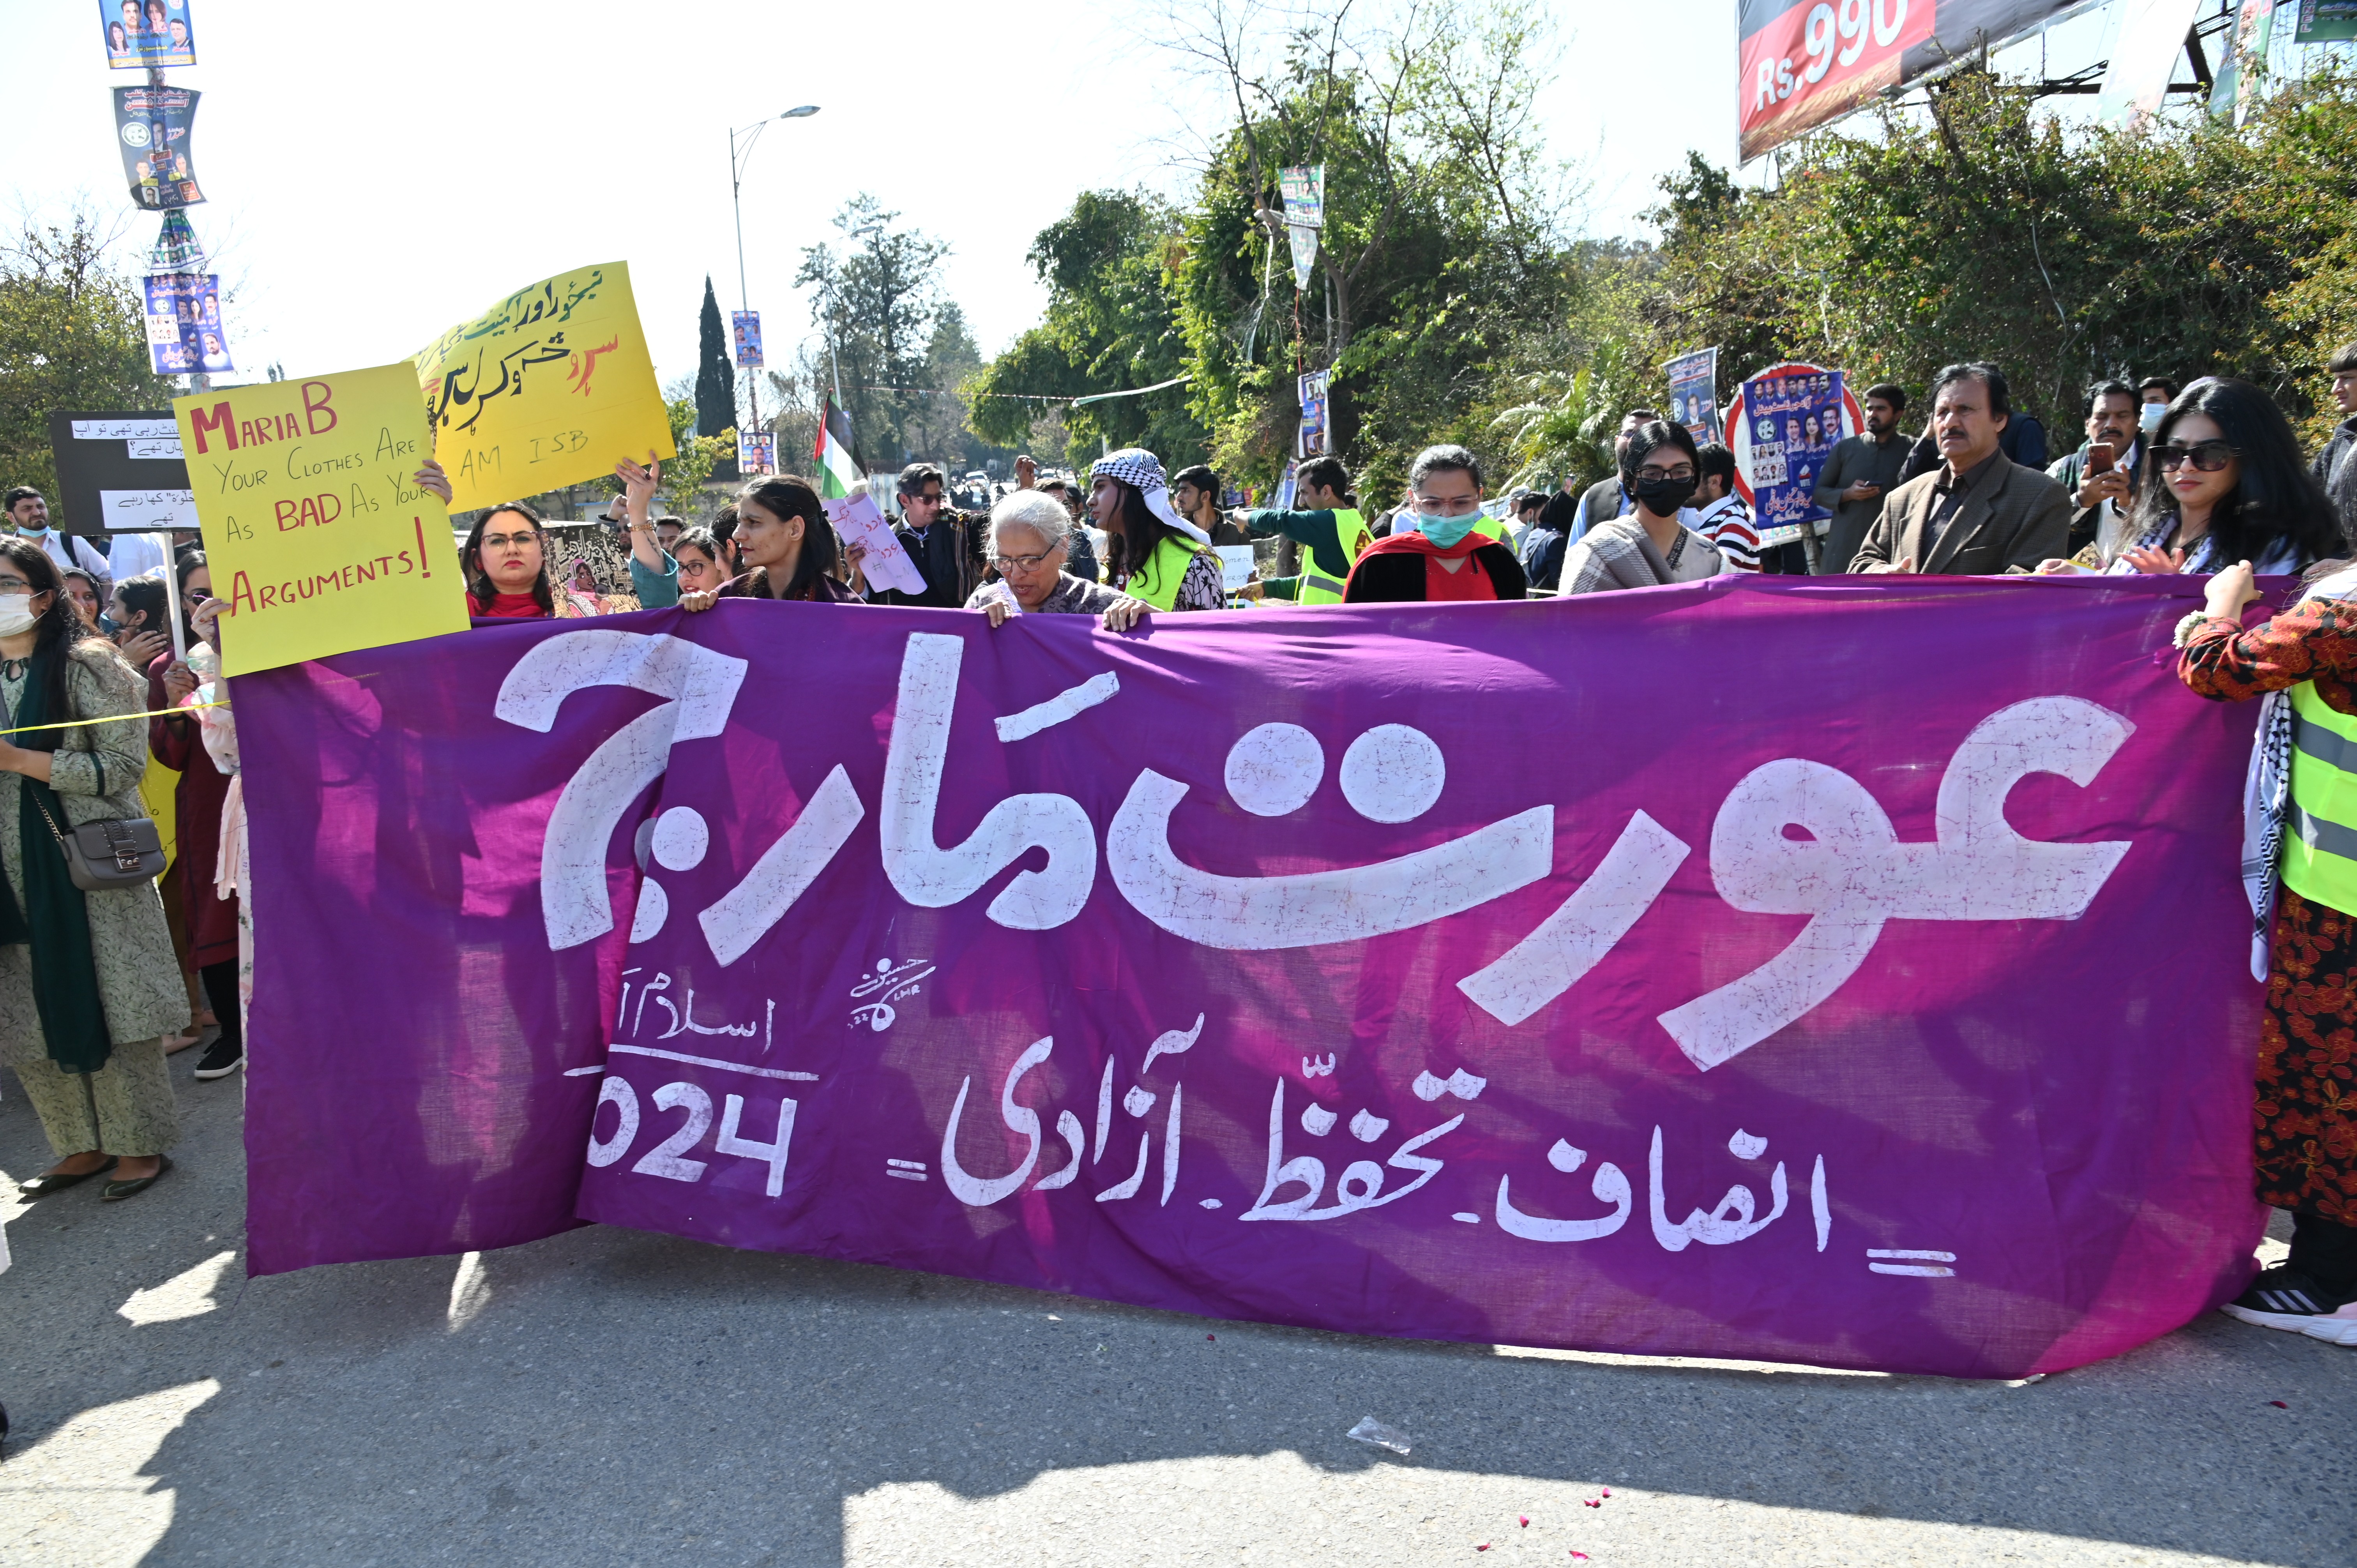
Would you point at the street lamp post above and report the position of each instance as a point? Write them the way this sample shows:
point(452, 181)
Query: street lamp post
point(737, 162)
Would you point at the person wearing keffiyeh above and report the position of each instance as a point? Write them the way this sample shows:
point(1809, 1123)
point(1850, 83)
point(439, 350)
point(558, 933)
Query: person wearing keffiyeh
point(1157, 559)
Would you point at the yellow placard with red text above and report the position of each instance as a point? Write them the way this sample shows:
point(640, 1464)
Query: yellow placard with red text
point(317, 534)
point(550, 386)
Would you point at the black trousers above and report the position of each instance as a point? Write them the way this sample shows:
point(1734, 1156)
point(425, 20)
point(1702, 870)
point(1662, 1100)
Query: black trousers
point(220, 995)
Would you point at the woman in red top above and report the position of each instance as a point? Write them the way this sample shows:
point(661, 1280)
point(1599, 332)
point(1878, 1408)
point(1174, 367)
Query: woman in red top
point(504, 561)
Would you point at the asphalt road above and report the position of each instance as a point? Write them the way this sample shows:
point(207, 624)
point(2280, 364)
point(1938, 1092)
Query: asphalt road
point(610, 1397)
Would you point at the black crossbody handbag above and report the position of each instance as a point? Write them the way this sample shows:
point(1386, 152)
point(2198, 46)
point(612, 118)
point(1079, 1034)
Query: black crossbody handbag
point(105, 857)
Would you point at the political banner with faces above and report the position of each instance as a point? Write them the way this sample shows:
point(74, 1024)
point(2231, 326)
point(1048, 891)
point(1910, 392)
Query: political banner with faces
point(154, 127)
point(144, 35)
point(1347, 967)
point(185, 332)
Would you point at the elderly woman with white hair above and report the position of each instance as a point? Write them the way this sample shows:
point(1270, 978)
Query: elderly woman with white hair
point(1030, 539)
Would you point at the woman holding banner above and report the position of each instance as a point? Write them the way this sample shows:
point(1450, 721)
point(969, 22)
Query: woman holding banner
point(2226, 482)
point(505, 559)
point(2300, 826)
point(786, 545)
point(1157, 559)
point(88, 1045)
point(1030, 537)
point(701, 569)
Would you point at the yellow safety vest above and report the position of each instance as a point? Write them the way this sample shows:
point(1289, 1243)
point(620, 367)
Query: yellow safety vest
point(1317, 587)
point(2320, 849)
point(1156, 582)
point(1490, 526)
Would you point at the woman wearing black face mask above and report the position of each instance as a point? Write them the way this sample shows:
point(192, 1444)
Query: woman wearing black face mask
point(1655, 544)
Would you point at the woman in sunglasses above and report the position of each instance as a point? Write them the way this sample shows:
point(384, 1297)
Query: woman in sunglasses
point(2226, 483)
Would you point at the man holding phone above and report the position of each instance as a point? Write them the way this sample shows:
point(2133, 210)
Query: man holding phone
point(2102, 475)
point(1860, 472)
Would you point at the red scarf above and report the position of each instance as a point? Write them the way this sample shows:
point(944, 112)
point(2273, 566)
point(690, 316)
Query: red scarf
point(506, 606)
point(1442, 585)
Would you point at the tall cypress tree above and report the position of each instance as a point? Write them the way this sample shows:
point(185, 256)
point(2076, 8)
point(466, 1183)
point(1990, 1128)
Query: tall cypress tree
point(715, 379)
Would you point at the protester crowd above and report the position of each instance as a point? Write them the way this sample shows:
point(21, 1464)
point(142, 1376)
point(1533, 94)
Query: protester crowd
point(104, 972)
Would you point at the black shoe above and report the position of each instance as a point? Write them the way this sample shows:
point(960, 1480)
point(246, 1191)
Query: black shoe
point(221, 1058)
point(2284, 1297)
point(116, 1191)
point(42, 1185)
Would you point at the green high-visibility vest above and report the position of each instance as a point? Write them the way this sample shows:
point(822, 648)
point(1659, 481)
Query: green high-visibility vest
point(2319, 850)
point(1156, 582)
point(1317, 587)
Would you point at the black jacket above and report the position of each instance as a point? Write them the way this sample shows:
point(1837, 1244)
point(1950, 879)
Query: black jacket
point(949, 554)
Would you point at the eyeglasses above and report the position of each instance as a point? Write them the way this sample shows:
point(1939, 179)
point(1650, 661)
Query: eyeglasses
point(2208, 456)
point(1680, 474)
point(1006, 563)
point(15, 586)
point(497, 541)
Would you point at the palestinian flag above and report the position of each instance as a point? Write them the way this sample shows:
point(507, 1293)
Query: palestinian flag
point(837, 456)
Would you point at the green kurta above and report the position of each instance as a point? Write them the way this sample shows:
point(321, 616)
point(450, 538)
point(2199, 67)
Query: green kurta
point(125, 1108)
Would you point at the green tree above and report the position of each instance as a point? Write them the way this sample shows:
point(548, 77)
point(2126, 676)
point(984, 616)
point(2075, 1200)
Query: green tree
point(878, 299)
point(1111, 326)
point(716, 379)
point(72, 336)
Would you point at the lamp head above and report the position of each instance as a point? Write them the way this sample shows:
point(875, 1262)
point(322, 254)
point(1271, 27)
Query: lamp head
point(804, 113)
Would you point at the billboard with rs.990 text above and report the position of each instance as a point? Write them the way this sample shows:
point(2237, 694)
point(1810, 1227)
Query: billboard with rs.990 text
point(1804, 62)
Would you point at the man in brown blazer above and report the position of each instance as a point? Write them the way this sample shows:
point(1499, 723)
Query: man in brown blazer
point(1977, 514)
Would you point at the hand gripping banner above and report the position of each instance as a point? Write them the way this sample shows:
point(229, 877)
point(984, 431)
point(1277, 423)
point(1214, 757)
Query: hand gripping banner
point(1493, 972)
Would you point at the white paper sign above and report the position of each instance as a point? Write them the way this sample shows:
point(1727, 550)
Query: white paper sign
point(147, 511)
point(858, 521)
point(1236, 565)
point(128, 430)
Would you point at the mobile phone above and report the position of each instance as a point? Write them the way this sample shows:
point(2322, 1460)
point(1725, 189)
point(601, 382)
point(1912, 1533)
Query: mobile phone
point(2100, 457)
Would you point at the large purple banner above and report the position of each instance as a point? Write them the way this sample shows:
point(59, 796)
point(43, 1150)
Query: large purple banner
point(1491, 972)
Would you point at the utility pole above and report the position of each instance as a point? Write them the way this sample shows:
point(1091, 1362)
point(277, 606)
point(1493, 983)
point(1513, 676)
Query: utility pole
point(737, 162)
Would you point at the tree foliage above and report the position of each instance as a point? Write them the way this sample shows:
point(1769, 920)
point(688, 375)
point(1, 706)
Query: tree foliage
point(1451, 303)
point(715, 379)
point(72, 336)
point(1441, 248)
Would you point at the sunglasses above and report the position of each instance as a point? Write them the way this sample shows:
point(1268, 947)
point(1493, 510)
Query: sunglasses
point(2208, 456)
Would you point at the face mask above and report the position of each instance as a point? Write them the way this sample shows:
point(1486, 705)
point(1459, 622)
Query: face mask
point(1446, 532)
point(17, 616)
point(2150, 415)
point(1664, 496)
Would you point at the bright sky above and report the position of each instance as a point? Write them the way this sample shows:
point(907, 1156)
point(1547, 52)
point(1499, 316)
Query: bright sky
point(378, 173)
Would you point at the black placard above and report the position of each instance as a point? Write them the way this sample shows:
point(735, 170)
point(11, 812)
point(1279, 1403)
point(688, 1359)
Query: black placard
point(120, 472)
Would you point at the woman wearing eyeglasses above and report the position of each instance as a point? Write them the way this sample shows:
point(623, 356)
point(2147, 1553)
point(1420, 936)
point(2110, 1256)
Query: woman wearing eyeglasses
point(504, 561)
point(2226, 483)
point(1030, 539)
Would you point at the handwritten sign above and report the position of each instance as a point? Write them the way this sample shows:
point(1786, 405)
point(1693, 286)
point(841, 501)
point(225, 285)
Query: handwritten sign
point(315, 532)
point(857, 520)
point(550, 386)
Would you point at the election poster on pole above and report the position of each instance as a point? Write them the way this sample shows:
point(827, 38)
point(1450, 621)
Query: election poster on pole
point(317, 535)
point(550, 386)
point(1693, 392)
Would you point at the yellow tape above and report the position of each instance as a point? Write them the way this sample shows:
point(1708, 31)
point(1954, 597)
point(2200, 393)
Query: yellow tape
point(119, 718)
